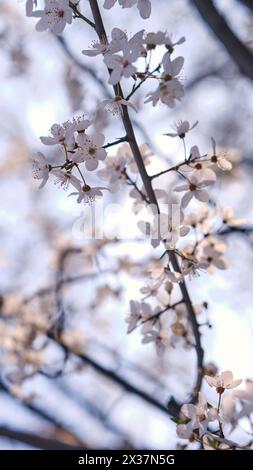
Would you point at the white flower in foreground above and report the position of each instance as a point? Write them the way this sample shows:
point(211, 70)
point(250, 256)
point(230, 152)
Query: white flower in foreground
point(199, 416)
point(60, 135)
point(115, 105)
point(65, 179)
point(194, 188)
point(170, 89)
point(55, 16)
point(120, 66)
point(41, 169)
point(144, 6)
point(198, 166)
point(228, 218)
point(222, 382)
point(220, 160)
point(181, 128)
point(87, 194)
point(90, 150)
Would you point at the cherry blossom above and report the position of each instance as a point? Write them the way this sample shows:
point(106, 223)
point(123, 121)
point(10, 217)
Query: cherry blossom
point(220, 160)
point(164, 228)
point(156, 335)
point(194, 188)
point(200, 167)
point(144, 6)
point(170, 88)
point(90, 150)
point(41, 168)
point(65, 179)
point(228, 218)
point(87, 194)
point(152, 40)
point(120, 66)
point(61, 134)
point(199, 417)
point(181, 128)
point(55, 16)
point(222, 382)
point(139, 311)
point(115, 105)
point(113, 171)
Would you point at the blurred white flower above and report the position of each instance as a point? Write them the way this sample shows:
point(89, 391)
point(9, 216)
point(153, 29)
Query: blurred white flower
point(228, 218)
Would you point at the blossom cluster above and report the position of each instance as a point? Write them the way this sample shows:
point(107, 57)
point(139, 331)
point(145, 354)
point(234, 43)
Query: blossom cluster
point(198, 422)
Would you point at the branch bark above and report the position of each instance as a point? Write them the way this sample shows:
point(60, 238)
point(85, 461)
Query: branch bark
point(36, 441)
point(238, 52)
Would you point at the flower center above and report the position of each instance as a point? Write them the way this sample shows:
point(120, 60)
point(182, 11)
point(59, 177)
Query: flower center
point(214, 159)
point(198, 166)
point(92, 151)
point(86, 188)
point(192, 187)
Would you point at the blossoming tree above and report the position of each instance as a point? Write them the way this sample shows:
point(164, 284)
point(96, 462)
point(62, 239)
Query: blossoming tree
point(174, 208)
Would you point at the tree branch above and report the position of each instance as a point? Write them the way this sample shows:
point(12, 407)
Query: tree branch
point(39, 442)
point(172, 409)
point(238, 52)
point(99, 26)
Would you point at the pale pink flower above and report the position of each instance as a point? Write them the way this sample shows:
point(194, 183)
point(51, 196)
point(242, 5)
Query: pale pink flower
point(87, 194)
point(181, 128)
point(170, 89)
point(156, 335)
point(90, 150)
point(193, 187)
point(200, 416)
point(41, 169)
point(61, 134)
point(144, 6)
point(222, 382)
point(65, 179)
point(220, 160)
point(228, 218)
point(55, 16)
point(115, 105)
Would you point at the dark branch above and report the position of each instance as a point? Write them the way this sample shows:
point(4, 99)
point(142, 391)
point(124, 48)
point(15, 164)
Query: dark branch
point(238, 52)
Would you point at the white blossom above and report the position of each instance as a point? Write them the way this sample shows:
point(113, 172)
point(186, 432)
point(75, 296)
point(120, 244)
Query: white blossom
point(170, 89)
point(55, 16)
point(228, 218)
point(115, 105)
point(144, 6)
point(193, 187)
point(181, 128)
point(222, 382)
point(87, 194)
point(90, 150)
point(41, 168)
point(199, 416)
